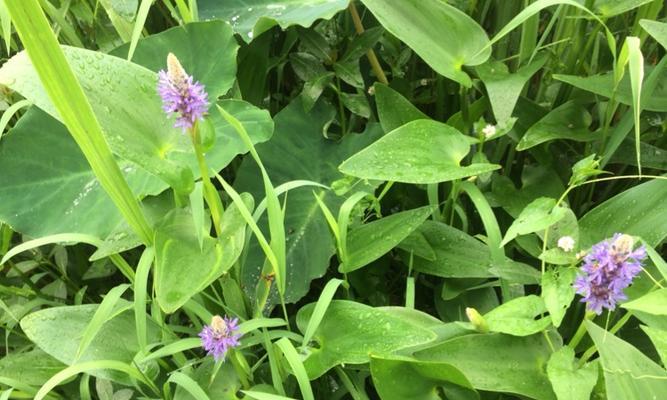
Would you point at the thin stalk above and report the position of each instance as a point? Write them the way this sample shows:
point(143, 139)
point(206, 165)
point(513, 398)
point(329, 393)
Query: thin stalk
point(372, 58)
point(581, 331)
point(210, 194)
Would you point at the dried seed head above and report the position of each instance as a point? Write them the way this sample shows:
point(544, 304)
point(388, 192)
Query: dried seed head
point(623, 244)
point(175, 71)
point(218, 325)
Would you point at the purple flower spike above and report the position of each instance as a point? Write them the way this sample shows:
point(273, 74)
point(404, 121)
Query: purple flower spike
point(608, 269)
point(180, 95)
point(220, 336)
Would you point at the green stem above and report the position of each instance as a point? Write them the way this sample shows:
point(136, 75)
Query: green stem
point(581, 331)
point(592, 350)
point(210, 194)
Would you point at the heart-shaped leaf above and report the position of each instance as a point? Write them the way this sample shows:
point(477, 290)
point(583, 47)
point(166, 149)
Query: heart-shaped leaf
point(422, 151)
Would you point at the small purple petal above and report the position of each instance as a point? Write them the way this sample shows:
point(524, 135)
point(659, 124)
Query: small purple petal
point(608, 268)
point(217, 340)
point(188, 100)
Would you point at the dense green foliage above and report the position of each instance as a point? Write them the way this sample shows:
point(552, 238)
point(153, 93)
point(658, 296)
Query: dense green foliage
point(396, 199)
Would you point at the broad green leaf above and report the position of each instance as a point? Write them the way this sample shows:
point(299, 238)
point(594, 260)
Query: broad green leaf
point(31, 368)
point(557, 292)
point(503, 87)
point(638, 211)
point(212, 65)
point(250, 18)
point(539, 215)
point(610, 8)
point(368, 242)
point(569, 381)
point(66, 186)
point(628, 374)
point(499, 363)
point(656, 29)
point(222, 384)
point(417, 244)
point(603, 85)
point(659, 339)
point(136, 130)
point(446, 38)
point(459, 255)
point(422, 151)
point(183, 268)
point(351, 331)
point(536, 182)
point(299, 151)
point(653, 303)
point(61, 195)
point(568, 121)
point(58, 330)
point(517, 317)
point(399, 378)
point(125, 8)
point(394, 110)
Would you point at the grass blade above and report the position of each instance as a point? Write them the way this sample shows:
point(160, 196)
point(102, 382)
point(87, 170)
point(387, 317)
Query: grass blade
point(139, 22)
point(298, 369)
point(9, 112)
point(51, 239)
point(140, 292)
point(189, 385)
point(103, 314)
point(66, 94)
point(636, 68)
point(320, 309)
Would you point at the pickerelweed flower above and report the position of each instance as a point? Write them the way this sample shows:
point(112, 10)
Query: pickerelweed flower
point(609, 268)
point(220, 336)
point(180, 95)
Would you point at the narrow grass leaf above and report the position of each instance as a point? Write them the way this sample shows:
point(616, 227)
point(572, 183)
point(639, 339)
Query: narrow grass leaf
point(344, 220)
point(51, 239)
point(636, 67)
point(76, 369)
point(139, 22)
point(103, 313)
point(140, 294)
point(320, 309)
point(258, 323)
point(77, 114)
point(178, 346)
point(9, 112)
point(298, 369)
point(264, 396)
point(189, 384)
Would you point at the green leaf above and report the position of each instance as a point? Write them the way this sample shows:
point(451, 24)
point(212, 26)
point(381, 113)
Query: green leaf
point(503, 87)
point(568, 381)
point(517, 317)
point(656, 29)
point(298, 151)
point(182, 267)
point(498, 363)
point(659, 339)
point(368, 242)
point(394, 110)
point(654, 302)
point(141, 134)
point(115, 341)
point(557, 292)
point(213, 66)
point(459, 255)
point(422, 151)
point(31, 368)
point(399, 378)
point(603, 85)
point(628, 374)
point(539, 215)
point(63, 195)
point(221, 383)
point(460, 40)
point(638, 211)
point(250, 18)
point(350, 331)
point(610, 8)
point(568, 121)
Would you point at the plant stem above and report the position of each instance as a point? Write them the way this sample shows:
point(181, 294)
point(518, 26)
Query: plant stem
point(581, 331)
point(210, 195)
point(372, 58)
